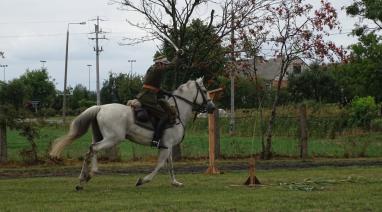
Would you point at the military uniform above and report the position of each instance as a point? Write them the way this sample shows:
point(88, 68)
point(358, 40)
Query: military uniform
point(150, 95)
point(152, 99)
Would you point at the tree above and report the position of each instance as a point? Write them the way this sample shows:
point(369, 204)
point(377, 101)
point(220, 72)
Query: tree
point(121, 88)
point(203, 55)
point(366, 9)
point(13, 115)
point(167, 20)
point(298, 33)
point(39, 86)
point(315, 84)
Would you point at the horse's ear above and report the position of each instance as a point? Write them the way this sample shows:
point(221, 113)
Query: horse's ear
point(200, 79)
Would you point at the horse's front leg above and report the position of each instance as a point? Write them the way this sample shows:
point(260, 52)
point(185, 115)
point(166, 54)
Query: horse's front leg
point(163, 155)
point(170, 168)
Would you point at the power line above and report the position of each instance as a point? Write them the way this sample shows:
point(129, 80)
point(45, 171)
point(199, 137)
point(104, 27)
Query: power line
point(40, 35)
point(37, 22)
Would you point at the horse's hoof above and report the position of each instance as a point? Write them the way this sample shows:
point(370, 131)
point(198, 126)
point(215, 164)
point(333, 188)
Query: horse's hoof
point(177, 184)
point(79, 188)
point(139, 182)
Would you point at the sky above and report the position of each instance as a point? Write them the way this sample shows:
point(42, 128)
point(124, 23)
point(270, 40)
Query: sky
point(35, 30)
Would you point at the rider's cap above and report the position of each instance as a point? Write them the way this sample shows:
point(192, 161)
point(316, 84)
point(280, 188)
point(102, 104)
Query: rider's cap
point(161, 59)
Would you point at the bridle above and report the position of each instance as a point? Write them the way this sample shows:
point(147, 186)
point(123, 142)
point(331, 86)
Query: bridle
point(201, 108)
point(195, 106)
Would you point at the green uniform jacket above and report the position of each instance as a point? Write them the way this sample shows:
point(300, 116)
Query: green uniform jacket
point(152, 101)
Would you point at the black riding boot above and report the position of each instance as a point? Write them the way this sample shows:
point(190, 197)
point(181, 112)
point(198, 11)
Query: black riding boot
point(158, 132)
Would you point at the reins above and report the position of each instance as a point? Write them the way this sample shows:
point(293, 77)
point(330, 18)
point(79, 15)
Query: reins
point(193, 103)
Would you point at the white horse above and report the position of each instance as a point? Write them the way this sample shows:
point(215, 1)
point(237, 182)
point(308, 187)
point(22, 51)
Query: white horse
point(113, 123)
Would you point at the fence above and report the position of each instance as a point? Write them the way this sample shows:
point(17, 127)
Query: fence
point(326, 138)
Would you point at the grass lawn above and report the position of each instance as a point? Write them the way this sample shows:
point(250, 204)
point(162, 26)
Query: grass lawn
point(329, 189)
point(195, 145)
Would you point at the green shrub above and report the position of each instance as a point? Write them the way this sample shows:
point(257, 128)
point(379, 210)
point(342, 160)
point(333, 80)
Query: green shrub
point(376, 124)
point(362, 111)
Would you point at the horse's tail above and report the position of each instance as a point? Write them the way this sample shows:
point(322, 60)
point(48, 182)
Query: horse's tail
point(78, 127)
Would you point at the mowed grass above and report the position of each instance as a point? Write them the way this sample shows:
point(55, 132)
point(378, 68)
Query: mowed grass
point(200, 193)
point(195, 145)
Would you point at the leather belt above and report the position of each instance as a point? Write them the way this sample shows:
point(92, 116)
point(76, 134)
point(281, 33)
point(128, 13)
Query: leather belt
point(152, 88)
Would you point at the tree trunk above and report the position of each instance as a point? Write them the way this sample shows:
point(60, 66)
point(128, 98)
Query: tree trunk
point(267, 153)
point(3, 142)
point(303, 132)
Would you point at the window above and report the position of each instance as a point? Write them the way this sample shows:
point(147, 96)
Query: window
point(296, 69)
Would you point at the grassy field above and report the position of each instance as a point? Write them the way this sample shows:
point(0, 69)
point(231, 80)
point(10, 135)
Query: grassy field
point(195, 145)
point(328, 189)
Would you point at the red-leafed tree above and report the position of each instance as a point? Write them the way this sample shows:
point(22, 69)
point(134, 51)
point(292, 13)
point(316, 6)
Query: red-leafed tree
point(297, 31)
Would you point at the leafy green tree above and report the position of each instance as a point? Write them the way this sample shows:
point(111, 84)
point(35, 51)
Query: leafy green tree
point(39, 86)
point(81, 98)
point(366, 9)
point(363, 75)
point(203, 55)
point(13, 115)
point(315, 84)
point(120, 88)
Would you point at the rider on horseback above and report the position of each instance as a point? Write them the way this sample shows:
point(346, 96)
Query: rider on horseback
point(152, 98)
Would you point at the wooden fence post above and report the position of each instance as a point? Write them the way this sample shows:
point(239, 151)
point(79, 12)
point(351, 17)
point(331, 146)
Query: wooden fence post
point(217, 134)
point(212, 134)
point(303, 132)
point(3, 142)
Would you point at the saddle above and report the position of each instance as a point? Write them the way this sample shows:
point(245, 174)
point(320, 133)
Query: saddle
point(143, 118)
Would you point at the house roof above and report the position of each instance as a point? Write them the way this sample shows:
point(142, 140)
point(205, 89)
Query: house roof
point(266, 69)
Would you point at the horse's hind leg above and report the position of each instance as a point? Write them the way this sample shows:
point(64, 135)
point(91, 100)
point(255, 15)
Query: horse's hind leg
point(163, 155)
point(170, 168)
point(86, 174)
point(94, 162)
point(96, 137)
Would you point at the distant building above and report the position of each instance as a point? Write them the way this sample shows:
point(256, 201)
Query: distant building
point(269, 69)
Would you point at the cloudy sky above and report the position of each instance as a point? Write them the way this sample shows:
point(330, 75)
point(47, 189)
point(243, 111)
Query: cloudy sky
point(35, 30)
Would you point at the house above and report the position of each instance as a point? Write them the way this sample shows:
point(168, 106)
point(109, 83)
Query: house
point(269, 69)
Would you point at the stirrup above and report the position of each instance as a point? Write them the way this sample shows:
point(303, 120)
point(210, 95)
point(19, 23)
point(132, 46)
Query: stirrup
point(158, 145)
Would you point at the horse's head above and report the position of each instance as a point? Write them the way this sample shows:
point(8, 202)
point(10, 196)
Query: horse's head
point(195, 94)
point(202, 103)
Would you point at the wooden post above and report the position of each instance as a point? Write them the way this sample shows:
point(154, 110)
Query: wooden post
point(303, 132)
point(212, 169)
point(217, 135)
point(252, 179)
point(3, 141)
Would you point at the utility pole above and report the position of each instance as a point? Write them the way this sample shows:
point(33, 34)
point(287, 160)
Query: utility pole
point(66, 71)
point(131, 65)
point(43, 64)
point(98, 50)
point(232, 74)
point(4, 66)
point(89, 76)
